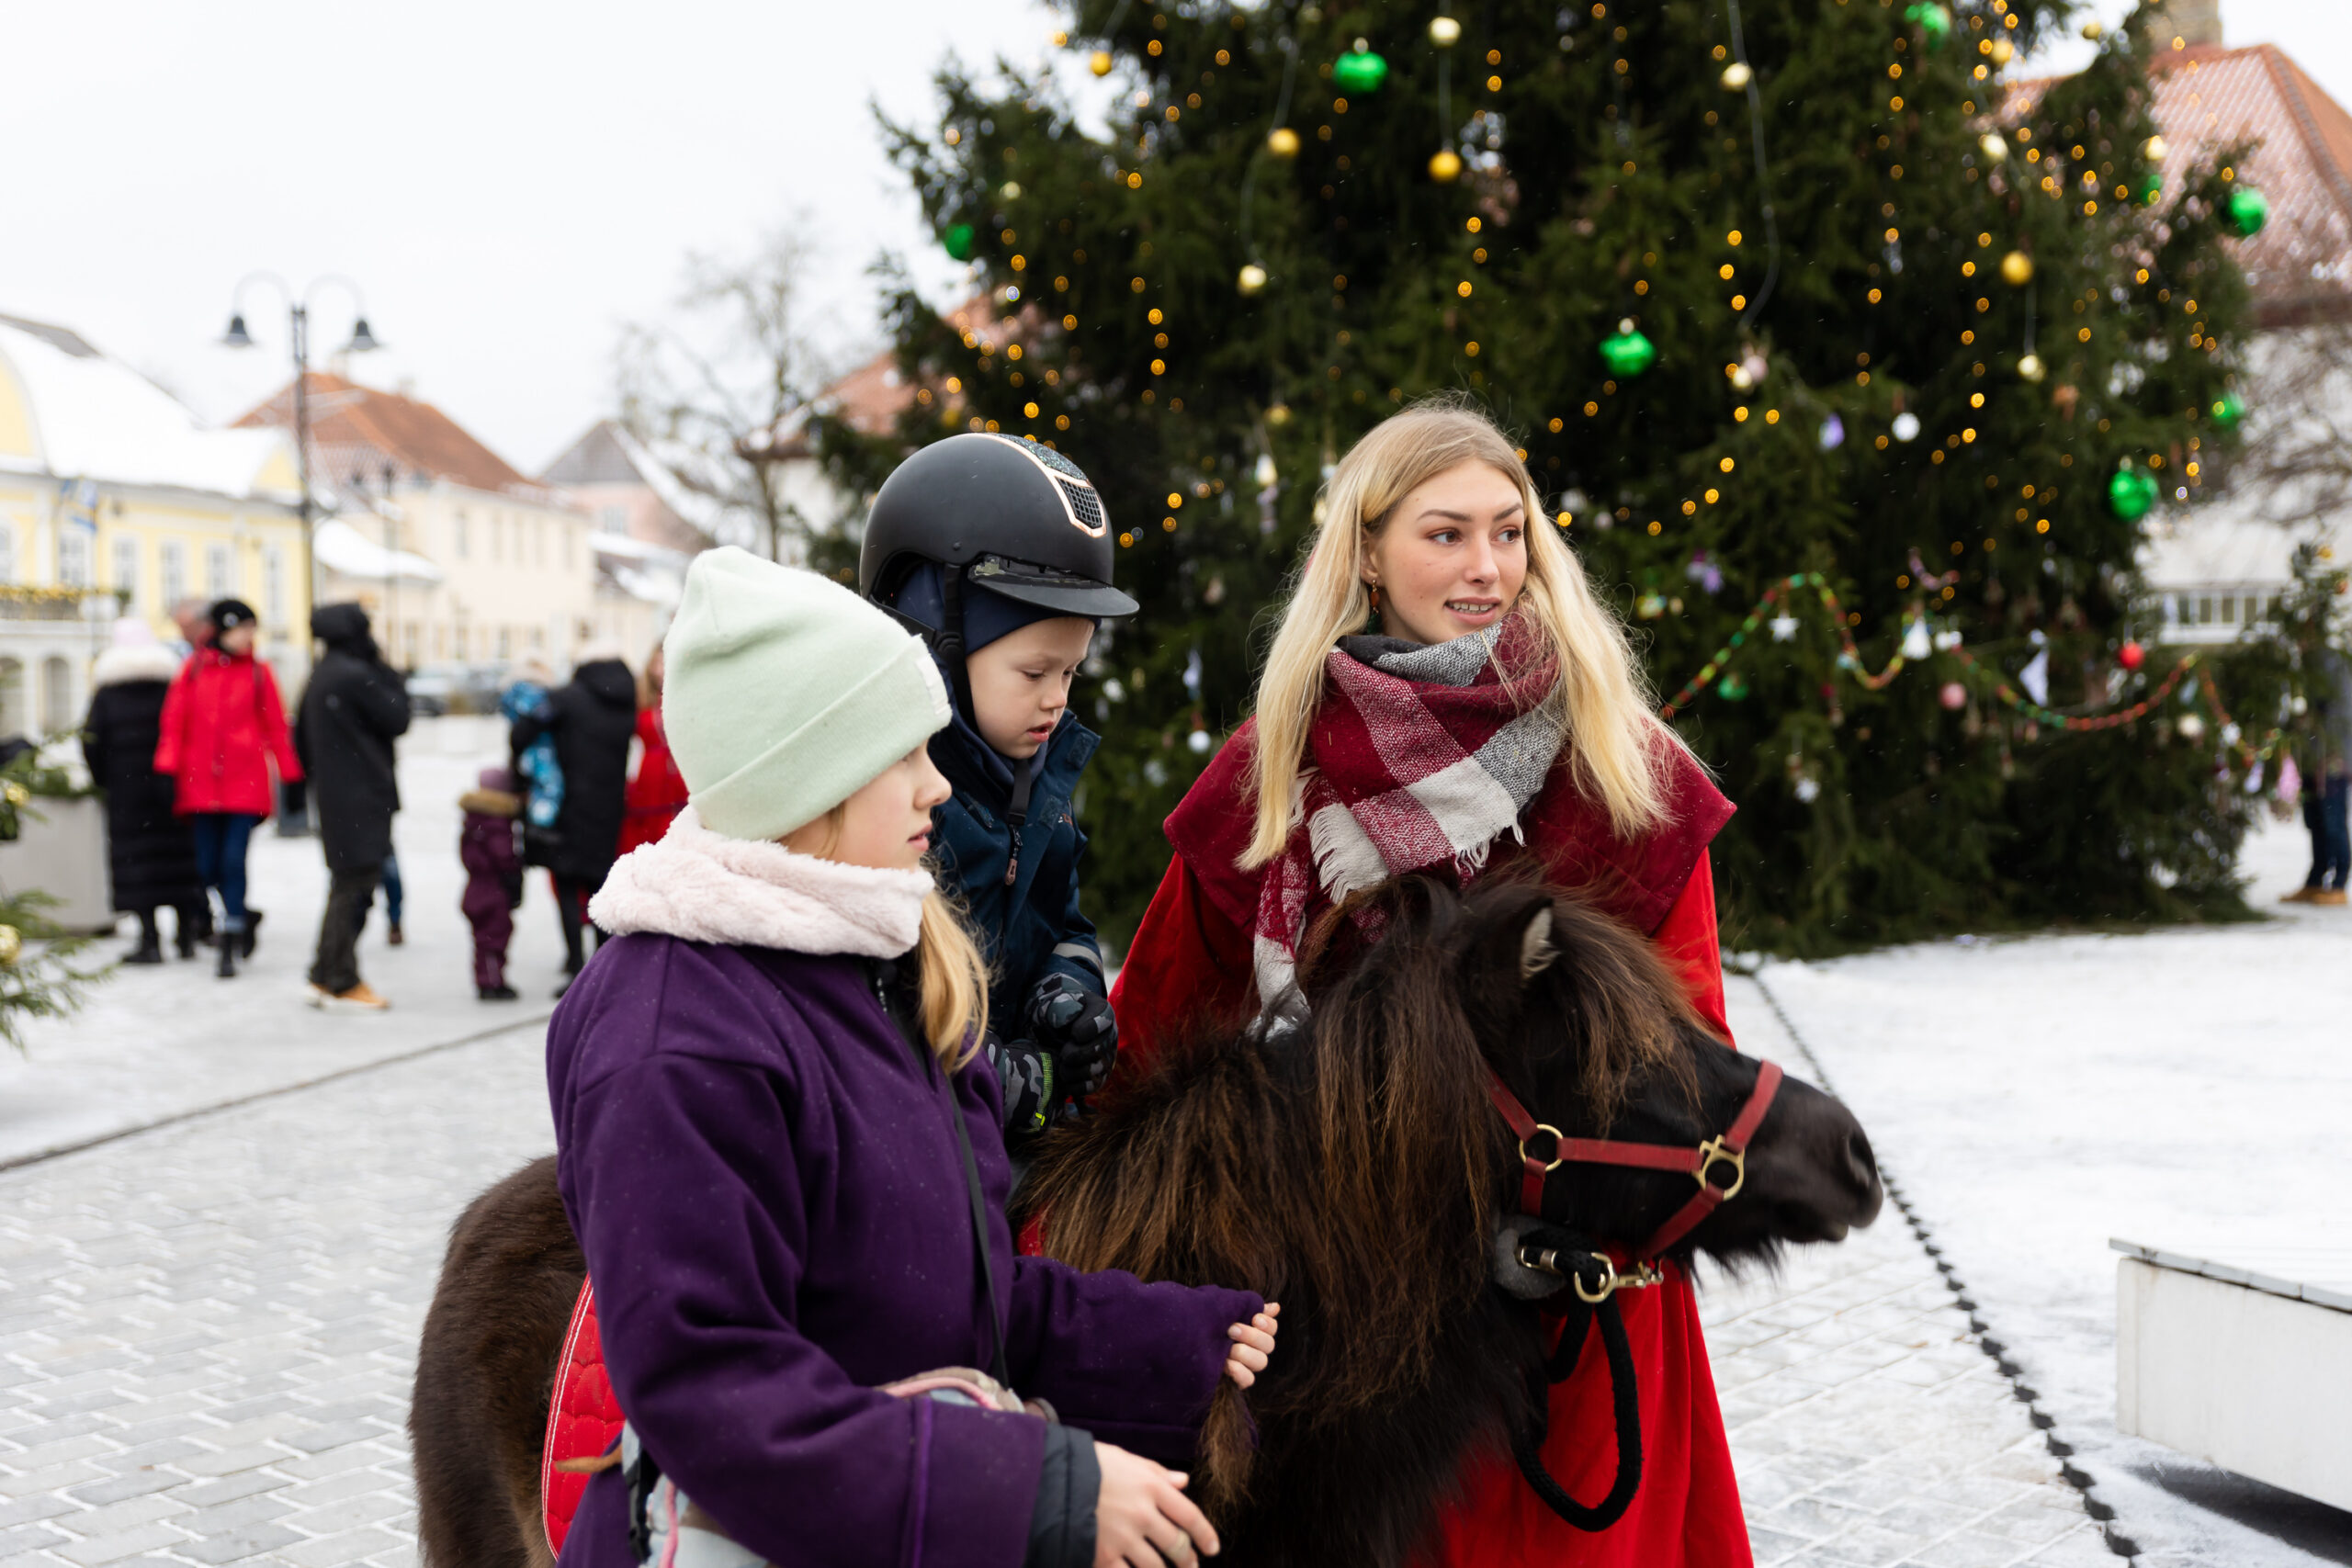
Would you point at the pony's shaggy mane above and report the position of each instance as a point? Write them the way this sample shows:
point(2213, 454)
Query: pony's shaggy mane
point(1349, 1163)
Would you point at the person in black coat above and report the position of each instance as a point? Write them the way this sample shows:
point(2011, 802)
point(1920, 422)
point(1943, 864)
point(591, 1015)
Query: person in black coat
point(151, 850)
point(353, 707)
point(593, 718)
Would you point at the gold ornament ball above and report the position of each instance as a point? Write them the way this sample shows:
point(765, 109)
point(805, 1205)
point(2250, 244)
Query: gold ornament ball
point(1444, 31)
point(2093, 31)
point(1278, 416)
point(1283, 142)
point(16, 793)
point(1445, 165)
point(2003, 51)
point(2016, 269)
point(2154, 149)
point(1737, 76)
point(12, 942)
point(1101, 63)
point(2031, 368)
point(1252, 279)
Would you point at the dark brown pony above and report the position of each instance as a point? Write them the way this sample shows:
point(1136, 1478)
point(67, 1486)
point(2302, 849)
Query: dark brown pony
point(1344, 1159)
point(1353, 1168)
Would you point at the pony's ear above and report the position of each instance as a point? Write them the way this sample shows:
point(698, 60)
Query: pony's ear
point(1536, 950)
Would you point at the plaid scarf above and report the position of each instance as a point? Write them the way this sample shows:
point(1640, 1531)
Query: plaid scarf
point(1417, 756)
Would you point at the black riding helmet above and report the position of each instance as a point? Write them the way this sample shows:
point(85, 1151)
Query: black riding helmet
point(1014, 516)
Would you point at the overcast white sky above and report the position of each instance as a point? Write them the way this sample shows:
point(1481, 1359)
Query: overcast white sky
point(506, 182)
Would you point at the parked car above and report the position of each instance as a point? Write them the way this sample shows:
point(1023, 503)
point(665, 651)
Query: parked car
point(453, 687)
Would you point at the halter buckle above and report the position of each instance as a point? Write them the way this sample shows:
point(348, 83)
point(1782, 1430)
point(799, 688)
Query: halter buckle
point(1558, 1139)
point(1713, 1152)
point(1609, 1283)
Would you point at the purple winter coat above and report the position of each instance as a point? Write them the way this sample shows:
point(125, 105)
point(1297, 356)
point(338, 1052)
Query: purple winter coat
point(762, 1173)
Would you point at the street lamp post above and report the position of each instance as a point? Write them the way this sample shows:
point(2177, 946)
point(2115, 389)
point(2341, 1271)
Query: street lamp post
point(298, 333)
point(291, 823)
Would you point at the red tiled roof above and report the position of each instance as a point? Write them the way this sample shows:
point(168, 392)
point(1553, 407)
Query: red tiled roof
point(2208, 98)
point(347, 419)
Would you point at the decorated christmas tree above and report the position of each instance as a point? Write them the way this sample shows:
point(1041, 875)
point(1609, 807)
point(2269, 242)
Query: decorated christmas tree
point(1851, 368)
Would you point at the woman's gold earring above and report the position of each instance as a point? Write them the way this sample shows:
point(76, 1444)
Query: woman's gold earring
point(1375, 598)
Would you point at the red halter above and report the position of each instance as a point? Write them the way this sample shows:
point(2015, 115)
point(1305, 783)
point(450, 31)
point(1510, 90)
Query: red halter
point(1731, 1149)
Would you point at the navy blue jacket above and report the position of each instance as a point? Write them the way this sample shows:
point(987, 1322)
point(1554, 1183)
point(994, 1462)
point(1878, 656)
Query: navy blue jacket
point(1033, 927)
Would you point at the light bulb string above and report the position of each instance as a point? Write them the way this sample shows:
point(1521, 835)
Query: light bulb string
point(1763, 181)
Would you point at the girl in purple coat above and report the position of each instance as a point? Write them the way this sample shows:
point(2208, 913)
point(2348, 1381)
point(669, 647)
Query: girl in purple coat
point(785, 1170)
point(493, 866)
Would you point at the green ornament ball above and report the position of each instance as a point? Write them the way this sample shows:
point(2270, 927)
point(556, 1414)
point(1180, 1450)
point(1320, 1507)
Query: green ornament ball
point(2131, 493)
point(2152, 188)
point(2247, 210)
point(1626, 352)
point(1358, 71)
point(2228, 409)
point(1732, 688)
point(957, 241)
point(1933, 21)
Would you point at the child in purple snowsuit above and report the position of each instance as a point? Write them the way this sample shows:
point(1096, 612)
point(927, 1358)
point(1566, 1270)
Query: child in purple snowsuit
point(494, 877)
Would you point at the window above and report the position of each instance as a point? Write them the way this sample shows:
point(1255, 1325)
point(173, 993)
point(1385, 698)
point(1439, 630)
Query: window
point(2228, 609)
point(125, 571)
point(457, 531)
point(14, 720)
point(613, 520)
point(57, 693)
point(506, 642)
point(565, 529)
point(273, 584)
point(174, 573)
point(73, 556)
point(497, 537)
point(7, 556)
point(216, 571)
point(458, 641)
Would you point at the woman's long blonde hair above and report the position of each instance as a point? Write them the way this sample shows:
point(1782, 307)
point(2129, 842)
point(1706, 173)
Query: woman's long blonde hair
point(1608, 715)
point(954, 978)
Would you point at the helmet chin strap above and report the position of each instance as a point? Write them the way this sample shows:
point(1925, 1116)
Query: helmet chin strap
point(950, 643)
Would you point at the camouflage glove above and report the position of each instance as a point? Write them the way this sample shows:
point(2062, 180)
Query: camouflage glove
point(1024, 1072)
point(1076, 1025)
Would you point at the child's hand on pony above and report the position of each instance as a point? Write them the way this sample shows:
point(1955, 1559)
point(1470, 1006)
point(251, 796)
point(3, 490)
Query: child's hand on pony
point(1252, 1342)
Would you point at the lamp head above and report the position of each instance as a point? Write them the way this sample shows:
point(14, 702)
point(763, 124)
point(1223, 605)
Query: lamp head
point(362, 340)
point(236, 336)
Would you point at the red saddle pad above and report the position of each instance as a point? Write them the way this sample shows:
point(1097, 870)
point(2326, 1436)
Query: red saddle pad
point(584, 1419)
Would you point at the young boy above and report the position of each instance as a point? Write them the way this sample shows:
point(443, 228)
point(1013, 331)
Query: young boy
point(493, 877)
point(996, 552)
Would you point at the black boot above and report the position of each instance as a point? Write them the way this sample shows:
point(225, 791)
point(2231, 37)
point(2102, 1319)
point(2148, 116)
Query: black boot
point(251, 935)
point(227, 968)
point(184, 935)
point(150, 948)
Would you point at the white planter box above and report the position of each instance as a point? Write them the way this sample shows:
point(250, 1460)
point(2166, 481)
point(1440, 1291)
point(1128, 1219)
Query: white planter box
point(2245, 1368)
point(62, 853)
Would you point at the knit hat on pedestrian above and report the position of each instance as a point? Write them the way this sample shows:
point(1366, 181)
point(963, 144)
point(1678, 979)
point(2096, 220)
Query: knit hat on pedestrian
point(786, 693)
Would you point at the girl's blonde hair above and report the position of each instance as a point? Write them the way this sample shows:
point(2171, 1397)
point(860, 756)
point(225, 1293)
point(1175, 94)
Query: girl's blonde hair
point(954, 978)
point(1612, 736)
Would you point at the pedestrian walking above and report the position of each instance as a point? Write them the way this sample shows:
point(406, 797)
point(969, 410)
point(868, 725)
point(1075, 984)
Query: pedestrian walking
point(151, 848)
point(493, 863)
point(354, 708)
point(1496, 721)
point(222, 729)
point(2326, 770)
point(768, 1118)
point(591, 719)
point(394, 897)
point(655, 790)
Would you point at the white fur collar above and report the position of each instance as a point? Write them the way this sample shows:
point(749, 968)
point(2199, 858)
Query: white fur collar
point(702, 886)
point(144, 661)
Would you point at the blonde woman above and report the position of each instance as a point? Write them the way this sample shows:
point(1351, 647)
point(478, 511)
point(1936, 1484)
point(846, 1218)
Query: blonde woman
point(783, 1163)
point(1446, 695)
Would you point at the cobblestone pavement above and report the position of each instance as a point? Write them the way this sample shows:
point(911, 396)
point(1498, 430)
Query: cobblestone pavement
point(206, 1335)
point(207, 1331)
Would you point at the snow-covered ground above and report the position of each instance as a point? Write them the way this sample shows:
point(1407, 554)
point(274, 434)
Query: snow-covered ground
point(158, 1042)
point(2185, 1089)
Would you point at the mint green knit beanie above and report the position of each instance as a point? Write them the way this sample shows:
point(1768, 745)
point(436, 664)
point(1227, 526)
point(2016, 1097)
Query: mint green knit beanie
point(783, 694)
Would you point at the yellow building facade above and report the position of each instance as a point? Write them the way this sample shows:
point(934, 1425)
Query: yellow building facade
point(114, 498)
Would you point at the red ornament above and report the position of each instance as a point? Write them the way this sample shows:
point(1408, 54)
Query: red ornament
point(1954, 695)
point(2132, 656)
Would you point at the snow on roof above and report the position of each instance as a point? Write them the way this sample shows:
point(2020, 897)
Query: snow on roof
point(344, 550)
point(623, 546)
point(660, 463)
point(95, 418)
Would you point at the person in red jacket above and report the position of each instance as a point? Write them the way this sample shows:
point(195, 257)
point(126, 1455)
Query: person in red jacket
point(655, 791)
point(222, 728)
point(1493, 716)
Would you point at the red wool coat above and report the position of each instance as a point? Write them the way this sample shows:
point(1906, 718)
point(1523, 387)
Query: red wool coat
point(222, 726)
point(1192, 952)
point(657, 792)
